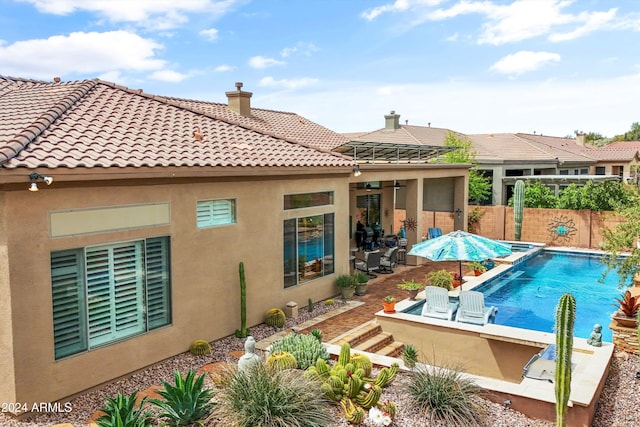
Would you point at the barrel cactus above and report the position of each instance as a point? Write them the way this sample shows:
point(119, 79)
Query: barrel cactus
point(565, 319)
point(200, 348)
point(281, 360)
point(360, 360)
point(518, 208)
point(275, 317)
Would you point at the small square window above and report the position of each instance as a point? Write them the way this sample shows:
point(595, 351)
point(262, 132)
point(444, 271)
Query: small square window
point(211, 213)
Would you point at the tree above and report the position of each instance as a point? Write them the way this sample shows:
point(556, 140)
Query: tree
point(537, 195)
point(632, 135)
point(605, 196)
point(479, 184)
point(623, 238)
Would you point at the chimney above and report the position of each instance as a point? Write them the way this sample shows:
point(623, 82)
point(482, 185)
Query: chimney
point(580, 137)
point(239, 101)
point(56, 79)
point(392, 121)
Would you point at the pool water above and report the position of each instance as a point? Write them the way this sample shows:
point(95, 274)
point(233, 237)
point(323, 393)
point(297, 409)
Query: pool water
point(527, 295)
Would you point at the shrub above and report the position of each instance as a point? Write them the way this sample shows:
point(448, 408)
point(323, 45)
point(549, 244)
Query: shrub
point(346, 281)
point(305, 348)
point(200, 348)
point(361, 277)
point(260, 397)
point(186, 402)
point(122, 411)
point(441, 278)
point(445, 394)
point(317, 334)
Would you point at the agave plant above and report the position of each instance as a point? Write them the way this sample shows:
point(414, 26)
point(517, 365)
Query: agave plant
point(187, 402)
point(122, 411)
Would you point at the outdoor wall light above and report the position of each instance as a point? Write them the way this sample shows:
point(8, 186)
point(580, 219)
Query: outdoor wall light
point(34, 177)
point(459, 213)
point(368, 187)
point(356, 171)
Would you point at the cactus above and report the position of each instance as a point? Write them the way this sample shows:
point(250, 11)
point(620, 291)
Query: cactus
point(200, 348)
point(281, 360)
point(275, 317)
point(347, 383)
point(329, 302)
point(317, 334)
point(360, 360)
point(518, 208)
point(310, 306)
point(388, 407)
point(565, 318)
point(306, 349)
point(243, 331)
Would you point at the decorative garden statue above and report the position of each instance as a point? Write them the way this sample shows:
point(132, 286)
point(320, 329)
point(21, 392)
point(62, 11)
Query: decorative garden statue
point(249, 358)
point(595, 339)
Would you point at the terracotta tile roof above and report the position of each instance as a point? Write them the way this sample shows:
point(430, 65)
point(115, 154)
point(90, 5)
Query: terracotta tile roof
point(611, 152)
point(406, 134)
point(281, 124)
point(93, 124)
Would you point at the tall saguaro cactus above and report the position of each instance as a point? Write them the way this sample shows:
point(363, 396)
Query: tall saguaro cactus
point(565, 318)
point(518, 208)
point(243, 331)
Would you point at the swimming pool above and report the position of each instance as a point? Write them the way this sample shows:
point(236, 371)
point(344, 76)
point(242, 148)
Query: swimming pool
point(527, 295)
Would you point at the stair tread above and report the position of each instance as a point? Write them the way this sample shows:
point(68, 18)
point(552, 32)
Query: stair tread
point(391, 349)
point(374, 341)
point(359, 334)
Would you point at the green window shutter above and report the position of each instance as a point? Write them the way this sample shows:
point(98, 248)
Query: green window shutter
point(69, 322)
point(158, 282)
point(114, 292)
point(215, 212)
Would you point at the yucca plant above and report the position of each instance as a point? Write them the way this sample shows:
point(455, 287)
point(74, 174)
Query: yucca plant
point(446, 395)
point(187, 402)
point(265, 398)
point(122, 411)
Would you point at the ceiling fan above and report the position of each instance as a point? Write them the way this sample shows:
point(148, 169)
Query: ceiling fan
point(396, 184)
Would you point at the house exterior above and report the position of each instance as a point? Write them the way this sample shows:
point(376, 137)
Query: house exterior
point(507, 157)
point(145, 206)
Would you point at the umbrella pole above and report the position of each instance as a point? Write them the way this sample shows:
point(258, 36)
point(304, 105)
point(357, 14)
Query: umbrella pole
point(460, 275)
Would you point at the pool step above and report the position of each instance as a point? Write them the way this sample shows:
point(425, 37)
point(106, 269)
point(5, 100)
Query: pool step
point(369, 337)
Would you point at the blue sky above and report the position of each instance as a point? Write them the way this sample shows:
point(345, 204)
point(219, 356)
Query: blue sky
point(545, 66)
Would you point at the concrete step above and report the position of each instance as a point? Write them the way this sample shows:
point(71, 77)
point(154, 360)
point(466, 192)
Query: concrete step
point(393, 349)
point(375, 343)
point(359, 334)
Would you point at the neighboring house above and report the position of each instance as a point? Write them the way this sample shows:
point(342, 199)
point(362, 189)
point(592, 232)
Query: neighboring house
point(129, 250)
point(506, 157)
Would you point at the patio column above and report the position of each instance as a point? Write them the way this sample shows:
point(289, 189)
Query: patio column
point(414, 203)
point(460, 197)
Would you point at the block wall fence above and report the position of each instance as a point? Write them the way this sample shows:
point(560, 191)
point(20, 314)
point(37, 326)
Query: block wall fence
point(555, 227)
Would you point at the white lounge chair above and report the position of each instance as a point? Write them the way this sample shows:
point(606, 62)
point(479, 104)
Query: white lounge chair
point(437, 303)
point(472, 309)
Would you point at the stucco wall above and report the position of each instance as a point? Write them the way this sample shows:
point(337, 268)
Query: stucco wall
point(205, 284)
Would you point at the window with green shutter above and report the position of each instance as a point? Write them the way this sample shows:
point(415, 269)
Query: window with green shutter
point(210, 213)
point(106, 293)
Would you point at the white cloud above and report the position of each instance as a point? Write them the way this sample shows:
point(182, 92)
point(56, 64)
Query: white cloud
point(552, 107)
point(168, 76)
point(263, 62)
point(287, 83)
point(397, 6)
point(301, 48)
point(210, 34)
point(524, 61)
point(592, 22)
point(151, 14)
point(82, 53)
point(223, 68)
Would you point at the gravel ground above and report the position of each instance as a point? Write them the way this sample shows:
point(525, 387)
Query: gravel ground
point(618, 406)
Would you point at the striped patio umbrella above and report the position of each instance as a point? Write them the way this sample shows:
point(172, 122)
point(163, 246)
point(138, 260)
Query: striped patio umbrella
point(460, 246)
